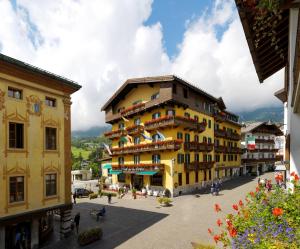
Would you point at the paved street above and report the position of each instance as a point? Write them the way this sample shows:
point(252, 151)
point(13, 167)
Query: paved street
point(142, 223)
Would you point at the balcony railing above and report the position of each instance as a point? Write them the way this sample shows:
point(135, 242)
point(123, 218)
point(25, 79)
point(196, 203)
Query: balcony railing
point(200, 147)
point(219, 117)
point(220, 149)
point(134, 168)
point(233, 136)
point(264, 150)
point(267, 141)
point(251, 160)
point(220, 133)
point(166, 121)
point(135, 129)
point(234, 150)
point(132, 109)
point(115, 134)
point(139, 148)
point(198, 166)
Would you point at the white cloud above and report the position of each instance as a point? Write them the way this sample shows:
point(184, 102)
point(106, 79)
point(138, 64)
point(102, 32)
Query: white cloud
point(102, 43)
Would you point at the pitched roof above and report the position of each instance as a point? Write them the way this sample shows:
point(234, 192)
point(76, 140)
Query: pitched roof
point(130, 83)
point(27, 67)
point(252, 126)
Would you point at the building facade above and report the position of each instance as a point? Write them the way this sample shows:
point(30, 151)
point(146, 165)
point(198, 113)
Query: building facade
point(169, 134)
point(262, 156)
point(269, 56)
point(35, 158)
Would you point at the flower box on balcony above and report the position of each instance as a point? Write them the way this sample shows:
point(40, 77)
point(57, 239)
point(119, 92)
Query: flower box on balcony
point(133, 108)
point(115, 134)
point(135, 129)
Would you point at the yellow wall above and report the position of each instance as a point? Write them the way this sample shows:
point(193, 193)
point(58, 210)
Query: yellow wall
point(32, 162)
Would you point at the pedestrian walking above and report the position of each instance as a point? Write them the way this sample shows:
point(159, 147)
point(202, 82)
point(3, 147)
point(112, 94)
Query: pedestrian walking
point(76, 221)
point(109, 198)
point(212, 188)
point(74, 197)
point(218, 186)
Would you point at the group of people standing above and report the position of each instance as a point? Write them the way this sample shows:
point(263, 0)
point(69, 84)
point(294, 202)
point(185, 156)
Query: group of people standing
point(215, 187)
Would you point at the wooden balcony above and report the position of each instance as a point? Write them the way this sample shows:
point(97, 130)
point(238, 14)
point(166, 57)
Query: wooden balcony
point(233, 150)
point(220, 133)
point(134, 168)
point(198, 147)
point(175, 121)
point(133, 109)
point(219, 117)
point(155, 146)
point(115, 134)
point(135, 130)
point(195, 166)
point(265, 141)
point(265, 150)
point(220, 149)
point(233, 136)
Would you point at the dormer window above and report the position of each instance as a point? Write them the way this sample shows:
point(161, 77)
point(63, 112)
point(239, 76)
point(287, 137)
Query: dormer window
point(155, 96)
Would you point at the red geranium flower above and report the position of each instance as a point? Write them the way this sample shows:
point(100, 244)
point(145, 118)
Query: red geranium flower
point(293, 173)
point(217, 238)
point(235, 207)
point(233, 232)
point(296, 177)
point(252, 194)
point(229, 223)
point(219, 222)
point(257, 189)
point(277, 211)
point(241, 203)
point(209, 231)
point(217, 208)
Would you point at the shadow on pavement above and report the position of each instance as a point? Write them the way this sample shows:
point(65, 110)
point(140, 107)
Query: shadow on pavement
point(119, 225)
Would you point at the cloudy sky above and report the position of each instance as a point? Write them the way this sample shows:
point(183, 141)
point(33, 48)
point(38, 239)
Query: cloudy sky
point(101, 43)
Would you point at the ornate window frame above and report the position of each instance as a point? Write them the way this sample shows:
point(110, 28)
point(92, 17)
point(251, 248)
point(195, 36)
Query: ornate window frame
point(51, 169)
point(51, 123)
point(16, 118)
point(14, 172)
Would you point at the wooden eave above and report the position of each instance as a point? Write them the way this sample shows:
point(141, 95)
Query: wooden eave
point(22, 70)
point(281, 95)
point(265, 58)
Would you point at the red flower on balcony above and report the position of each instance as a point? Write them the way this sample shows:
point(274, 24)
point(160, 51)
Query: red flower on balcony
point(252, 194)
point(217, 208)
point(241, 203)
point(277, 211)
point(296, 177)
point(219, 222)
point(133, 107)
point(293, 173)
point(232, 232)
point(217, 238)
point(209, 231)
point(235, 207)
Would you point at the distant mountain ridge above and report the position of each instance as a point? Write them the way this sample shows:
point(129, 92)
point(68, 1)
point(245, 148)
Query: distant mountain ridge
point(275, 114)
point(94, 131)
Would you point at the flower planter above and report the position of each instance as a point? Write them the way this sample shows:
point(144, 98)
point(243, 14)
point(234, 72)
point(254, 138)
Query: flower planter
point(90, 236)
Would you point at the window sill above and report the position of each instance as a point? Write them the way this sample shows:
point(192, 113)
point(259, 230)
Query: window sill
point(14, 150)
point(16, 203)
point(51, 151)
point(51, 197)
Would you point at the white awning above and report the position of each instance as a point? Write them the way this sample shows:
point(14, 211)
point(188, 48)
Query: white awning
point(280, 167)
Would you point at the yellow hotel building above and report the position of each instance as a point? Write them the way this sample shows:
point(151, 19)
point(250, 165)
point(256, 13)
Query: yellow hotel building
point(35, 153)
point(169, 134)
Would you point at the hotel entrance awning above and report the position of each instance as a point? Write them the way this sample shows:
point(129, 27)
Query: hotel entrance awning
point(106, 166)
point(147, 173)
point(115, 172)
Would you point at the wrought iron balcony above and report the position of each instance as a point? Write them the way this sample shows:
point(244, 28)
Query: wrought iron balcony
point(174, 121)
point(200, 147)
point(254, 160)
point(135, 129)
point(194, 166)
point(220, 133)
point(115, 134)
point(134, 168)
point(155, 146)
point(267, 141)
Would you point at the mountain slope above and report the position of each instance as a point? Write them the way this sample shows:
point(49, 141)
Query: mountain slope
point(274, 114)
point(91, 132)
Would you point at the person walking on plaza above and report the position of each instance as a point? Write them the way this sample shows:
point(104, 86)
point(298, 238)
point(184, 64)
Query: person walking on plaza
point(74, 197)
point(109, 198)
point(218, 187)
point(212, 188)
point(76, 221)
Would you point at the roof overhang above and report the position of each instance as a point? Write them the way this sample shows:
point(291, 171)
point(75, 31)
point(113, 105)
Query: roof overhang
point(266, 58)
point(281, 95)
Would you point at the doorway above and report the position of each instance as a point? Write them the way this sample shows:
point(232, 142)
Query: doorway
point(137, 181)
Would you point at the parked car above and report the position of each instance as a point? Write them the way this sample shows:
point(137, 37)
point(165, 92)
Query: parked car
point(81, 192)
